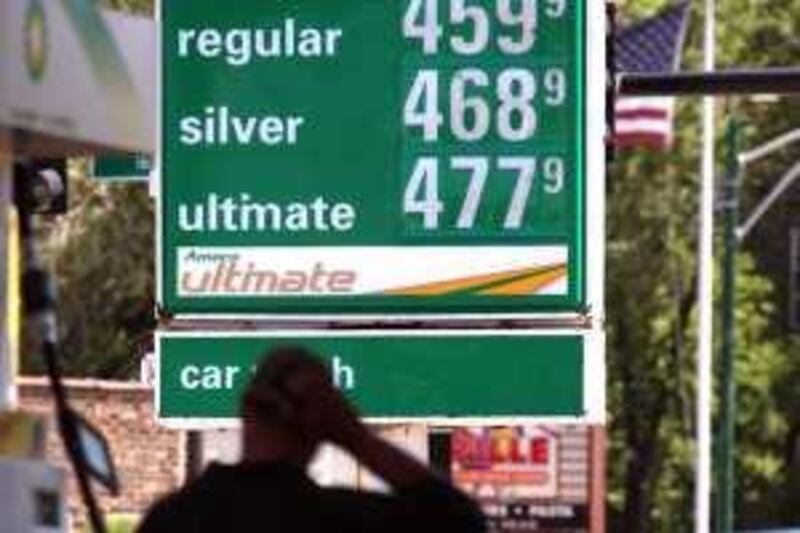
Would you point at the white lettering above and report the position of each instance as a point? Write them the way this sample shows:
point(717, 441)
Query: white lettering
point(184, 40)
point(343, 217)
point(238, 47)
point(209, 377)
point(220, 126)
point(241, 213)
point(191, 130)
point(189, 377)
point(209, 43)
point(344, 376)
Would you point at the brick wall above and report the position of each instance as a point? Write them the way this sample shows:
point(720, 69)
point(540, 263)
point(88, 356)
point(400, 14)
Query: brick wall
point(150, 460)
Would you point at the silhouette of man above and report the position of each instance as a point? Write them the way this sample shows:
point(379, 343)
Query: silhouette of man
point(289, 408)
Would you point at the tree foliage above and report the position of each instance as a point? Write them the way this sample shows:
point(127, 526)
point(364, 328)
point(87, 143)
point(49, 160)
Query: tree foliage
point(652, 216)
point(102, 253)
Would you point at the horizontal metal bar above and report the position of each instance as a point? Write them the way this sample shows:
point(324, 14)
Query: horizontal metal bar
point(760, 81)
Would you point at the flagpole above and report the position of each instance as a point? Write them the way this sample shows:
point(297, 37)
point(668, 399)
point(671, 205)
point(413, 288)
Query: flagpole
point(705, 292)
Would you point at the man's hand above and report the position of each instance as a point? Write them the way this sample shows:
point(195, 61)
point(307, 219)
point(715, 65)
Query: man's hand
point(323, 413)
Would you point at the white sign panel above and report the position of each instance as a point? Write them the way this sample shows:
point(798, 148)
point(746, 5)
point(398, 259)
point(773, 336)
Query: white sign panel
point(71, 70)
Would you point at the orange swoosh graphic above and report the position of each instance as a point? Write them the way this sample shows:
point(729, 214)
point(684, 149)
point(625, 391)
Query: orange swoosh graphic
point(462, 284)
point(528, 285)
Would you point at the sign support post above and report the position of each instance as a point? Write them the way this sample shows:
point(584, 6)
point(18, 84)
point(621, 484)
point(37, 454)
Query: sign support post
point(7, 364)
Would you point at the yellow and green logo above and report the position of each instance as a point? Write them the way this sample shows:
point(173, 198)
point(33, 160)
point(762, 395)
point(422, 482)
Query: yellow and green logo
point(36, 40)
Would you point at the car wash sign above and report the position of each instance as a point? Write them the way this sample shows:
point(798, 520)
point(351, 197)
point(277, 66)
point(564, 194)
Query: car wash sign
point(396, 376)
point(375, 157)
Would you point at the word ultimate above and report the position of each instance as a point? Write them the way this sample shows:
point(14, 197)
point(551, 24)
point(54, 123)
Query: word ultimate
point(238, 277)
point(240, 213)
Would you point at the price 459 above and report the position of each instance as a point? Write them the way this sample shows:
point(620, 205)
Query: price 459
point(421, 196)
point(516, 24)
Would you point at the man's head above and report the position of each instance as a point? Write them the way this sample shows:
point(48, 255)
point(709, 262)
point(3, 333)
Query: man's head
point(275, 406)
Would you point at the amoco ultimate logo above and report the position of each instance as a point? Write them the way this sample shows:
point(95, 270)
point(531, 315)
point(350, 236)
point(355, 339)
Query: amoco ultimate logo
point(343, 271)
point(232, 274)
point(36, 45)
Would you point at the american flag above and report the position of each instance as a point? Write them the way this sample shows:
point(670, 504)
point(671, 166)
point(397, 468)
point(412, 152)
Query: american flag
point(652, 46)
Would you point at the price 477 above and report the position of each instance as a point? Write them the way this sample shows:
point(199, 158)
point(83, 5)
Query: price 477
point(421, 196)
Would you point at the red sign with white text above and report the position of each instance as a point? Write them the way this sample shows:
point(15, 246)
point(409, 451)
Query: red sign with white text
point(506, 463)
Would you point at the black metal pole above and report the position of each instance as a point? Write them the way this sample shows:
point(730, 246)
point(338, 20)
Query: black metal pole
point(756, 81)
point(194, 455)
point(40, 304)
point(71, 438)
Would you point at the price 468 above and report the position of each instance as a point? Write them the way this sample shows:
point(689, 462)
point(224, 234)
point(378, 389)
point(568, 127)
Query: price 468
point(471, 114)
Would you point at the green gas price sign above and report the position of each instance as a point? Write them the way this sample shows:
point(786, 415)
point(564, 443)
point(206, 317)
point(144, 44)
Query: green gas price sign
point(378, 156)
point(453, 376)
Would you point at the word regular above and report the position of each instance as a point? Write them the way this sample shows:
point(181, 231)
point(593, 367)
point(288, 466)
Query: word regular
point(240, 46)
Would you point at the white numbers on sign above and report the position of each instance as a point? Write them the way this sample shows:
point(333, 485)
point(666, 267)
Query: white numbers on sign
point(479, 170)
point(476, 16)
point(472, 24)
point(422, 191)
point(525, 168)
point(422, 107)
point(555, 8)
point(555, 85)
point(470, 113)
point(421, 21)
point(516, 117)
point(464, 109)
point(525, 18)
point(477, 104)
point(553, 175)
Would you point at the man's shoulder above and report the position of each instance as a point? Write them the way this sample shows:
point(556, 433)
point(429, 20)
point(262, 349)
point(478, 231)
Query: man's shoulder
point(431, 504)
point(167, 511)
point(177, 508)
